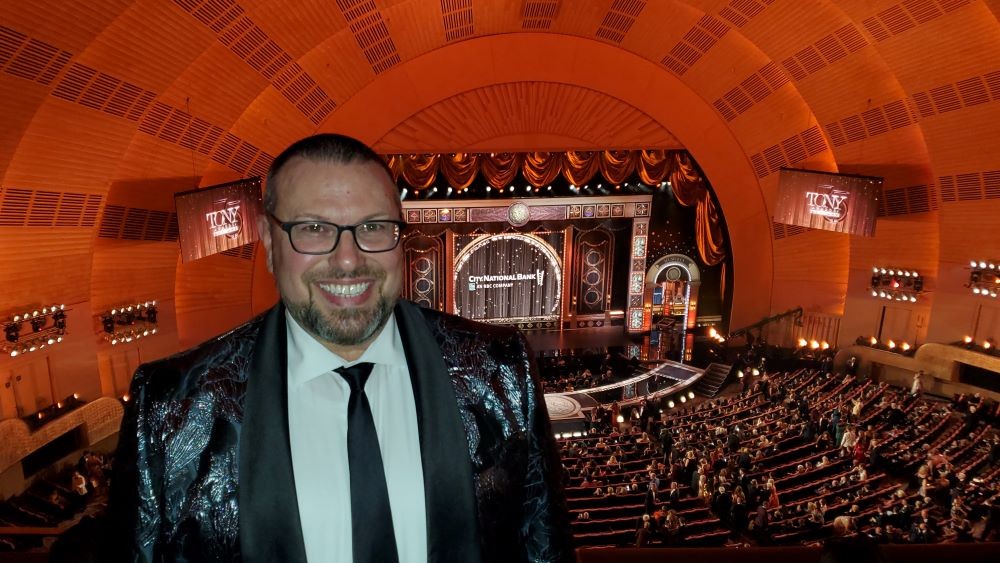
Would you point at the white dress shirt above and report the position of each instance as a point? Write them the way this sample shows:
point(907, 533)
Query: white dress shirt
point(317, 425)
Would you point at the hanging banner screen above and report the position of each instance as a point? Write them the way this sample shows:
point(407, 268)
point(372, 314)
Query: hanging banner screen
point(508, 277)
point(842, 203)
point(218, 218)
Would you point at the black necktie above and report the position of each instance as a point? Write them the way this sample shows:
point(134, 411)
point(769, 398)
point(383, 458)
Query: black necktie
point(371, 518)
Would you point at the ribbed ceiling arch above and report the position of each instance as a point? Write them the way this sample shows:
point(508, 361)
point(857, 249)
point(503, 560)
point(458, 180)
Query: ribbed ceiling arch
point(131, 101)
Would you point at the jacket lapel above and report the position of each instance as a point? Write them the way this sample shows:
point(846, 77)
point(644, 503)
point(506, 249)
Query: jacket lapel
point(268, 507)
point(452, 529)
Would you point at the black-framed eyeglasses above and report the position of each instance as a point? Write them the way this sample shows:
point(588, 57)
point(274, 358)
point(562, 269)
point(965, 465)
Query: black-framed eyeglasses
point(320, 237)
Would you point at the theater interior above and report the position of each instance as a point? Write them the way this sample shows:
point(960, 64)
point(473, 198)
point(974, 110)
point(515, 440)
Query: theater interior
point(741, 208)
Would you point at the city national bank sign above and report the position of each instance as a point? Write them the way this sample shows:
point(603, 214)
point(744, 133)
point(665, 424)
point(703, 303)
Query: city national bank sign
point(477, 283)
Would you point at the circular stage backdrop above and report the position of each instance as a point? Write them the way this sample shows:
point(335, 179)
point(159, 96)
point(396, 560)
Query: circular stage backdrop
point(508, 277)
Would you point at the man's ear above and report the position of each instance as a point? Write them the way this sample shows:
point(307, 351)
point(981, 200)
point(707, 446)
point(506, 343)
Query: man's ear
point(264, 232)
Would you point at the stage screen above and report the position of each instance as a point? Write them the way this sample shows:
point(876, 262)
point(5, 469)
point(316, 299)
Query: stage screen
point(508, 277)
point(218, 218)
point(833, 202)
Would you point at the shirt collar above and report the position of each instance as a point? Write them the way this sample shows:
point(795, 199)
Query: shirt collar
point(309, 359)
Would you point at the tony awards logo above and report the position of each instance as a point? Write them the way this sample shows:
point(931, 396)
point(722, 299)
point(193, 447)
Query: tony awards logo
point(828, 202)
point(225, 219)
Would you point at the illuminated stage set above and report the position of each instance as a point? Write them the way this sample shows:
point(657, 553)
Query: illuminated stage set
point(537, 263)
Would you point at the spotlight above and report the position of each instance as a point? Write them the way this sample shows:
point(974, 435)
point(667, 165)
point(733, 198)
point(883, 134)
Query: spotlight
point(813, 344)
point(755, 372)
point(873, 341)
point(690, 394)
point(740, 374)
point(905, 346)
point(987, 345)
point(684, 399)
point(802, 342)
point(12, 331)
point(670, 404)
point(621, 418)
point(891, 344)
point(59, 319)
point(824, 345)
point(967, 340)
point(712, 332)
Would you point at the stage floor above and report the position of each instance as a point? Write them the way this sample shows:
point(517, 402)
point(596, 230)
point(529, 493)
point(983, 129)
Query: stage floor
point(545, 341)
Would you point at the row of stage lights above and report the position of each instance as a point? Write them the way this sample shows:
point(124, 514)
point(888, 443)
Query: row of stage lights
point(896, 284)
point(890, 344)
point(121, 325)
point(812, 344)
point(511, 189)
point(714, 335)
point(130, 322)
point(40, 336)
point(987, 345)
point(984, 279)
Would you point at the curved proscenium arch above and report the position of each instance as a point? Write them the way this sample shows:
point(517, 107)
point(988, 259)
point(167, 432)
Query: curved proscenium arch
point(483, 241)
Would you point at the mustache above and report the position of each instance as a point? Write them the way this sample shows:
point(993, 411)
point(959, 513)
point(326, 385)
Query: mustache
point(364, 271)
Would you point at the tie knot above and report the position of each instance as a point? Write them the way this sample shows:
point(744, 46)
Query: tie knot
point(356, 375)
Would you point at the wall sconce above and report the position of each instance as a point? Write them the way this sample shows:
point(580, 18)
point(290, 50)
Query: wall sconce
point(984, 278)
point(42, 334)
point(129, 322)
point(896, 284)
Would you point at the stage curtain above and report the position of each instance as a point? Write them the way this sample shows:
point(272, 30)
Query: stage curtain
point(689, 190)
point(541, 168)
point(460, 169)
point(394, 162)
point(499, 169)
point(617, 166)
point(722, 284)
point(653, 166)
point(420, 170)
point(579, 167)
point(710, 241)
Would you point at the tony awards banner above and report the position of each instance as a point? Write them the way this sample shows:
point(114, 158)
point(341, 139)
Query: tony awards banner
point(218, 218)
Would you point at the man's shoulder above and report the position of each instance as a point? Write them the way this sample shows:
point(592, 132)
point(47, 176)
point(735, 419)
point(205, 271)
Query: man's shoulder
point(229, 352)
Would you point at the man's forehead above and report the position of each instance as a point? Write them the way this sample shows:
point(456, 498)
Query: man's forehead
point(332, 170)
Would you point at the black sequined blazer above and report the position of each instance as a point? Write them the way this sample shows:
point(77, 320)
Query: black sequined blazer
point(203, 470)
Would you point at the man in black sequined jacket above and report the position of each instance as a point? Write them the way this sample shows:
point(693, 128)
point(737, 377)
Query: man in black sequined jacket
point(204, 466)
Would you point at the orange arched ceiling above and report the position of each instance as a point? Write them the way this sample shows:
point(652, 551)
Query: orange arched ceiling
point(110, 107)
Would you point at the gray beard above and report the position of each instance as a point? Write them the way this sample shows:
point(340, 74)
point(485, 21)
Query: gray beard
point(342, 327)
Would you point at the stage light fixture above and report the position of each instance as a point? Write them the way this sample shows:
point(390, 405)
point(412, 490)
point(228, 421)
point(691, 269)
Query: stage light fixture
point(873, 341)
point(905, 346)
point(690, 394)
point(684, 399)
point(671, 404)
point(755, 372)
point(891, 344)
